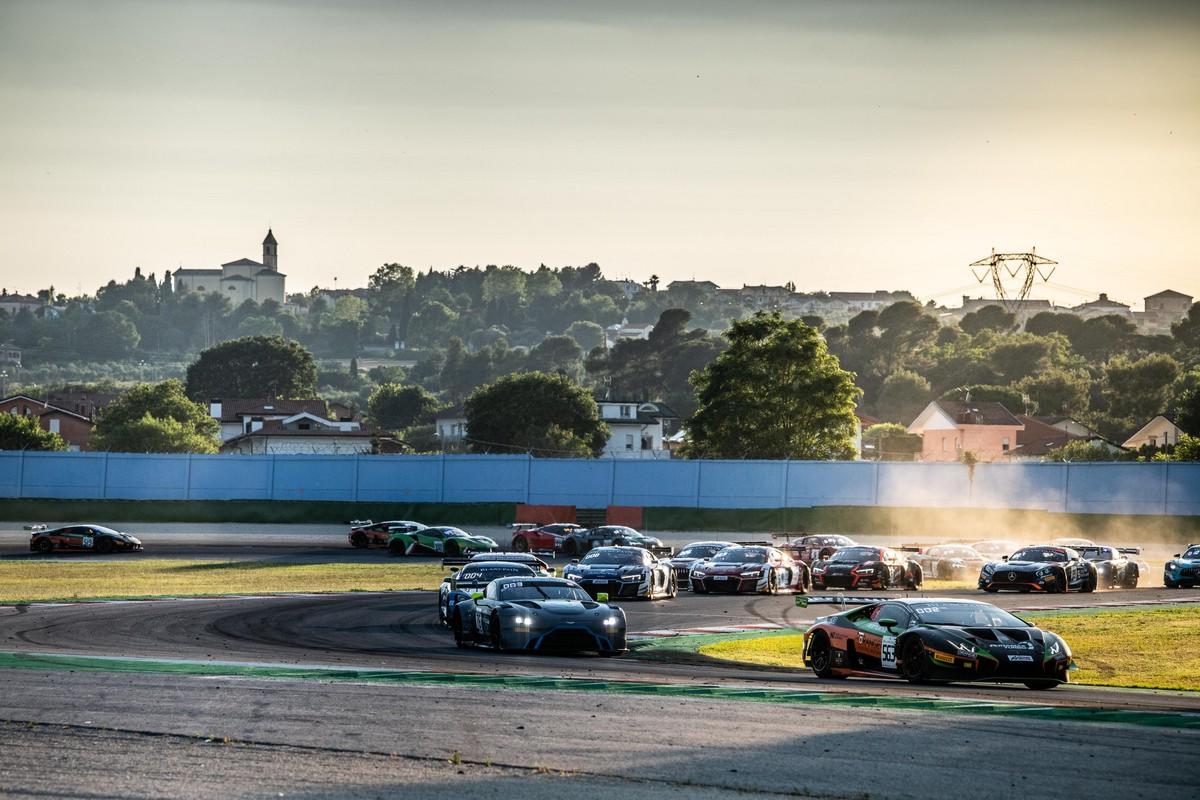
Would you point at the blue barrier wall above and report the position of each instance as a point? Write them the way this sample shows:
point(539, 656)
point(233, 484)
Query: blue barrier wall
point(1125, 488)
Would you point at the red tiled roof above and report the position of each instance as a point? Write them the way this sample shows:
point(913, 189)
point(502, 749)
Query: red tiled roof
point(978, 413)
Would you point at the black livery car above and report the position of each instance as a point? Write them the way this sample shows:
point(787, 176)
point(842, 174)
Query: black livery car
point(623, 572)
point(1114, 567)
point(683, 561)
point(936, 640)
point(474, 576)
point(862, 567)
point(85, 538)
point(1042, 568)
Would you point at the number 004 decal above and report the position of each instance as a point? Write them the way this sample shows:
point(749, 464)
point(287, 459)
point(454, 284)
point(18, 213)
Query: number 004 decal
point(887, 652)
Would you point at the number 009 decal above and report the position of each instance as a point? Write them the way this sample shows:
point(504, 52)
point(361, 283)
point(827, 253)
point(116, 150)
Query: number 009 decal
point(887, 652)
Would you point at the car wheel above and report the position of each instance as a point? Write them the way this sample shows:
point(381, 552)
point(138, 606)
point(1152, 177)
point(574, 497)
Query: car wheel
point(672, 587)
point(103, 546)
point(698, 587)
point(885, 576)
point(915, 664)
point(1170, 584)
point(452, 549)
point(772, 583)
point(397, 547)
point(460, 636)
point(358, 540)
point(569, 548)
point(1131, 578)
point(991, 589)
point(914, 577)
point(820, 656)
point(45, 544)
point(1089, 583)
point(1040, 684)
point(521, 544)
point(494, 634)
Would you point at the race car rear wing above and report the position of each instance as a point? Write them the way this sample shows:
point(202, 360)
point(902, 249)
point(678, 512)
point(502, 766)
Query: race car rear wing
point(36, 528)
point(662, 550)
point(458, 561)
point(806, 600)
point(1131, 551)
point(517, 526)
point(360, 523)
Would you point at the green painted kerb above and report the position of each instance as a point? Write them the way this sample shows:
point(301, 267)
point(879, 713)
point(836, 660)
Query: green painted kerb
point(526, 682)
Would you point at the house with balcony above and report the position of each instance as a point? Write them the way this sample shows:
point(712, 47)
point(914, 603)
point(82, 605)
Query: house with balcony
point(637, 429)
point(241, 416)
point(949, 428)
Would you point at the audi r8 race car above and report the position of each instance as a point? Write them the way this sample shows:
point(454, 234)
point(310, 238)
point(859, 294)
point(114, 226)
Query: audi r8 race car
point(862, 567)
point(936, 640)
point(950, 561)
point(683, 561)
point(578, 542)
point(1114, 568)
point(1183, 569)
point(622, 572)
point(818, 546)
point(86, 538)
point(539, 614)
point(365, 533)
point(540, 567)
point(541, 537)
point(749, 568)
point(995, 549)
point(1042, 568)
point(442, 540)
point(474, 577)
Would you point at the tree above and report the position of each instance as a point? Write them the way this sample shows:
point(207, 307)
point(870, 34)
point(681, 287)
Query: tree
point(776, 392)
point(888, 441)
point(1058, 391)
point(256, 366)
point(1139, 389)
point(1187, 413)
point(903, 395)
point(546, 415)
point(432, 324)
point(260, 326)
point(108, 335)
point(988, 318)
point(1083, 450)
point(557, 354)
point(589, 335)
point(394, 407)
point(22, 432)
point(156, 418)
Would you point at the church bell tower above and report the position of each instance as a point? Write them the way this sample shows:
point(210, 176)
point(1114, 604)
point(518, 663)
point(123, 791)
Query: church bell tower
point(270, 257)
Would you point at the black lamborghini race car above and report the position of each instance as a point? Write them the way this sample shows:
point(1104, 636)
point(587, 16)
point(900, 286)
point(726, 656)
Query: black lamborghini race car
point(85, 538)
point(936, 640)
point(1042, 568)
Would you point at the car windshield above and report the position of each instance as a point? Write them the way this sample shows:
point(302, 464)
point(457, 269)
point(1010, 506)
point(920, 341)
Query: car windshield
point(451, 532)
point(701, 550)
point(612, 555)
point(1098, 553)
point(967, 615)
point(1192, 552)
point(102, 529)
point(855, 555)
point(533, 590)
point(741, 555)
point(485, 575)
point(1039, 554)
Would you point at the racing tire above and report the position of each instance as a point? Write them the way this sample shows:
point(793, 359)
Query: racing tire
point(103, 546)
point(359, 540)
point(1060, 578)
point(1040, 685)
point(494, 634)
point(45, 545)
point(885, 575)
point(915, 664)
point(914, 577)
point(772, 583)
point(820, 657)
point(569, 548)
point(1131, 578)
point(672, 587)
point(521, 544)
point(397, 548)
point(698, 587)
point(1170, 584)
point(452, 549)
point(1089, 583)
point(991, 589)
point(460, 637)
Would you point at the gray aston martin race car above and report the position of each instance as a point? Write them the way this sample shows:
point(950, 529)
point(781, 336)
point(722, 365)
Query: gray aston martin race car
point(538, 614)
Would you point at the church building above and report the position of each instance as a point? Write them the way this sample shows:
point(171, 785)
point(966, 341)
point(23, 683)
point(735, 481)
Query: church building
point(241, 280)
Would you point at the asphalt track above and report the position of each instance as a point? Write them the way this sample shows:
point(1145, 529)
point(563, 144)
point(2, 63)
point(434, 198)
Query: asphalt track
point(217, 735)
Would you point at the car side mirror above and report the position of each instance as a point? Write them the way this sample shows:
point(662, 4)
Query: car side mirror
point(888, 622)
point(1004, 558)
point(574, 560)
point(446, 579)
point(476, 595)
point(602, 597)
point(1175, 556)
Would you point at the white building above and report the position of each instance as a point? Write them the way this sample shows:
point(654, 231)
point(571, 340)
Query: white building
point(241, 280)
point(238, 417)
point(1158, 432)
point(451, 428)
point(637, 429)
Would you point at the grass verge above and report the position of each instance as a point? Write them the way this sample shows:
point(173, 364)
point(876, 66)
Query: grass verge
point(1135, 648)
point(31, 581)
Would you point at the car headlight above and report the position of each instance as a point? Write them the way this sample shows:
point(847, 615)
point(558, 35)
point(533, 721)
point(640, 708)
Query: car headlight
point(752, 573)
point(610, 622)
point(1171, 565)
point(697, 573)
point(988, 569)
point(525, 621)
point(631, 577)
point(1043, 572)
point(868, 571)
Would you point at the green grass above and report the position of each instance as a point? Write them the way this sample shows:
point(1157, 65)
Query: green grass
point(29, 581)
point(1151, 649)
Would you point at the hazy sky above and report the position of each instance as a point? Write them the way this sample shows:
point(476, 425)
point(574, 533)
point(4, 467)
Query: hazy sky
point(846, 145)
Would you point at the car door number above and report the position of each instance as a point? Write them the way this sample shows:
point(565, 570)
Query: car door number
point(887, 652)
point(87, 542)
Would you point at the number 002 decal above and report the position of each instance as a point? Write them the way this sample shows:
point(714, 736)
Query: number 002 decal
point(887, 652)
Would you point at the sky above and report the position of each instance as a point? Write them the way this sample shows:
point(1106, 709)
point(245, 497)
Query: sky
point(841, 146)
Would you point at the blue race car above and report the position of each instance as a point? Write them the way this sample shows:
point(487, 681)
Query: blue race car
point(474, 576)
point(1183, 570)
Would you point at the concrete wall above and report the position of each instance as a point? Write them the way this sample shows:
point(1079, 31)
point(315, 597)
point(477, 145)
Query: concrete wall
point(1153, 488)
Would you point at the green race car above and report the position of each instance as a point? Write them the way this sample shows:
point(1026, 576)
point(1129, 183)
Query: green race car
point(440, 541)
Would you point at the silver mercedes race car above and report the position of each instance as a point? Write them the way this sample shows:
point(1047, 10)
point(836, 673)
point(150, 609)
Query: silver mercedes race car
point(539, 614)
